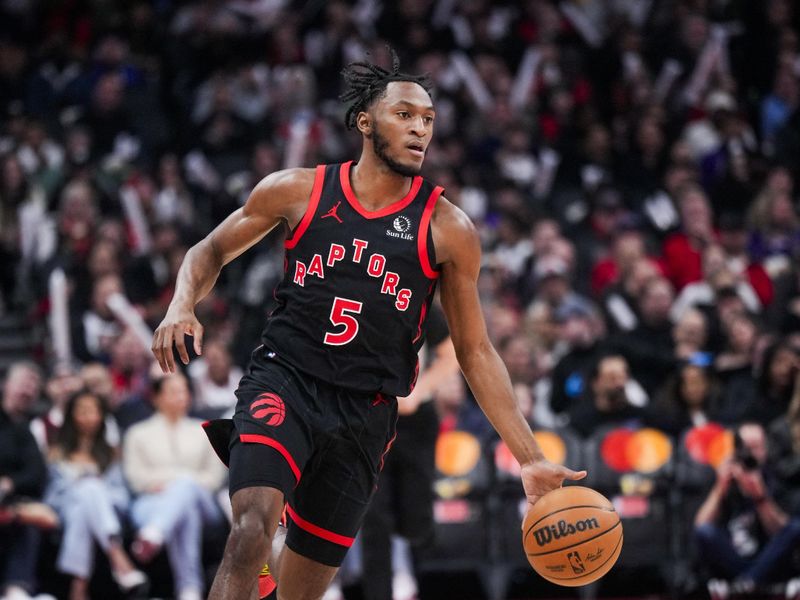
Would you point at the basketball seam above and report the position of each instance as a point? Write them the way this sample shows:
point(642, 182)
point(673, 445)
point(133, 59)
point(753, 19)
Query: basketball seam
point(617, 524)
point(595, 571)
point(555, 512)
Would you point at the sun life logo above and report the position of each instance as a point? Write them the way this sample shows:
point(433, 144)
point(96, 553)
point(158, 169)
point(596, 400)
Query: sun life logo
point(401, 225)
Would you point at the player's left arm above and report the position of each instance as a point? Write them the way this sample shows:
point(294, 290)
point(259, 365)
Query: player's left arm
point(458, 251)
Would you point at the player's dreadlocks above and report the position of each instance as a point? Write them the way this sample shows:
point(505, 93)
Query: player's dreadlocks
point(366, 81)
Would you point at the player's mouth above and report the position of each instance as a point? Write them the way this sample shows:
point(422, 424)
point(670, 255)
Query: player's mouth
point(417, 149)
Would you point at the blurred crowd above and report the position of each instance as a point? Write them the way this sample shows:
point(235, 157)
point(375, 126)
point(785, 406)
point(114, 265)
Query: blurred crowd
point(631, 166)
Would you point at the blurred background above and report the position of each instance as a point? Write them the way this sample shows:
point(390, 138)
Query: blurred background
point(630, 166)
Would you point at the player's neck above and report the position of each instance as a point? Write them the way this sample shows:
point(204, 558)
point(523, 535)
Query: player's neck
point(375, 184)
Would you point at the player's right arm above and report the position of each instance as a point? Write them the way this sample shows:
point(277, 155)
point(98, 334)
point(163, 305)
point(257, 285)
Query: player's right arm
point(281, 197)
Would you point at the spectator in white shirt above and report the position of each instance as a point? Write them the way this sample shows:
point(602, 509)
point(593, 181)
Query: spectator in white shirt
point(174, 472)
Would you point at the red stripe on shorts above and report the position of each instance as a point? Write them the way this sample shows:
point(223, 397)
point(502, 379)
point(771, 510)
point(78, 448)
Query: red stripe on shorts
point(318, 531)
point(256, 438)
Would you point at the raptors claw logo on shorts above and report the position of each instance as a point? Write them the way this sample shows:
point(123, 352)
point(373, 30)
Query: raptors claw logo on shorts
point(270, 408)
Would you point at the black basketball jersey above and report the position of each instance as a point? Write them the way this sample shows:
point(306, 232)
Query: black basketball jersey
point(356, 288)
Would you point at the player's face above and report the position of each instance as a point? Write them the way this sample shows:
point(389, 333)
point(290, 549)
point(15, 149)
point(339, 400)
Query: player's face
point(402, 126)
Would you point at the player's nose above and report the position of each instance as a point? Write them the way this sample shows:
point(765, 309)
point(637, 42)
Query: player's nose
point(418, 127)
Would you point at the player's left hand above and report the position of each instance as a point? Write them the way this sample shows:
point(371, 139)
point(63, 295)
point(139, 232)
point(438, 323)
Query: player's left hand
point(542, 476)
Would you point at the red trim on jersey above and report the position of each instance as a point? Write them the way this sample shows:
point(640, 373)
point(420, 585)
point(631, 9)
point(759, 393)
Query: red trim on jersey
point(318, 531)
point(423, 312)
point(422, 234)
point(344, 178)
point(255, 438)
point(313, 201)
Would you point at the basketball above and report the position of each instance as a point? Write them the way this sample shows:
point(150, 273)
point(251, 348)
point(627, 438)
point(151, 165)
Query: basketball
point(572, 536)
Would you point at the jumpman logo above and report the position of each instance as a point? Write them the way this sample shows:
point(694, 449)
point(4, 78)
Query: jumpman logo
point(332, 212)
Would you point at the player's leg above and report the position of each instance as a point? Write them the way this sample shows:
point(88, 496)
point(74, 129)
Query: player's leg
point(256, 511)
point(302, 578)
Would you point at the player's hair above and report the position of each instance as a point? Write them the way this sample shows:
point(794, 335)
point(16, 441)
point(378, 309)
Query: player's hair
point(365, 82)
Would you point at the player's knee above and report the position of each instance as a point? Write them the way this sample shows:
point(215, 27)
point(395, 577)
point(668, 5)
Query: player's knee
point(250, 533)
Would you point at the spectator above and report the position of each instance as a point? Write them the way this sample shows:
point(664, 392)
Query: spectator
point(742, 530)
point(581, 328)
point(649, 348)
point(606, 400)
point(458, 412)
point(775, 226)
point(777, 107)
point(784, 450)
point(627, 248)
point(214, 380)
point(620, 302)
point(733, 238)
point(87, 490)
point(681, 252)
point(597, 234)
point(173, 472)
point(718, 279)
point(21, 390)
point(22, 477)
point(689, 399)
point(690, 334)
point(60, 387)
point(553, 282)
point(21, 206)
point(95, 331)
point(780, 366)
point(130, 378)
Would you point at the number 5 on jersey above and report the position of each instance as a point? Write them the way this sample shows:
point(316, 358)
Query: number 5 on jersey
point(340, 317)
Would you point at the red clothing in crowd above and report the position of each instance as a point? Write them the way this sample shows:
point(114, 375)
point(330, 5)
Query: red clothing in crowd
point(682, 263)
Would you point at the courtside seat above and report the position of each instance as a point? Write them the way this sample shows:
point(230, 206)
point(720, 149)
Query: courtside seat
point(508, 505)
point(461, 487)
point(634, 468)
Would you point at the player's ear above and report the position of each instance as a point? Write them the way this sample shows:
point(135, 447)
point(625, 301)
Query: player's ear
point(364, 123)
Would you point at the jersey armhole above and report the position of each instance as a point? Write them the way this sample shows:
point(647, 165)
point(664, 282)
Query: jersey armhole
point(313, 202)
point(422, 237)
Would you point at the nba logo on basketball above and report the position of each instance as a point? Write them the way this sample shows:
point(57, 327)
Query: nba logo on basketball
point(576, 563)
point(270, 408)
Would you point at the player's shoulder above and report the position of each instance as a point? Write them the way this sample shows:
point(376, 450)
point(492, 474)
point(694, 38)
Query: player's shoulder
point(453, 231)
point(451, 220)
point(285, 193)
point(287, 181)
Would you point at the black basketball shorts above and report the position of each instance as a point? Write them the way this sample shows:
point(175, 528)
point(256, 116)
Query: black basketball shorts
point(323, 446)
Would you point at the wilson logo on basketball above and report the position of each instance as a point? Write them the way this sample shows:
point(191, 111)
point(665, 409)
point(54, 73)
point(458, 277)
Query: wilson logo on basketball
point(544, 535)
point(270, 408)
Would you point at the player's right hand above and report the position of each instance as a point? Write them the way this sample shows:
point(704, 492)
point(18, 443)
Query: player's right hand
point(171, 331)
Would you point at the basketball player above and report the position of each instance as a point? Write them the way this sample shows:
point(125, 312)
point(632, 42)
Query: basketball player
point(367, 243)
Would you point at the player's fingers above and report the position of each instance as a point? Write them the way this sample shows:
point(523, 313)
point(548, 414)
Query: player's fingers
point(197, 333)
point(180, 344)
point(157, 349)
point(574, 475)
point(532, 500)
point(166, 350)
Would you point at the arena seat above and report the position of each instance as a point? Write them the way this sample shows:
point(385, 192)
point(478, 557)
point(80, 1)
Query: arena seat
point(462, 484)
point(508, 504)
point(634, 468)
